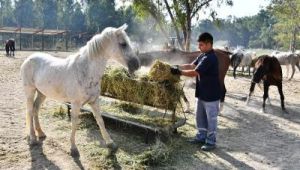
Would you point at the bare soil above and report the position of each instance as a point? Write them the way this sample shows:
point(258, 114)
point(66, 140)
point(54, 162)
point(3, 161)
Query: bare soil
point(247, 138)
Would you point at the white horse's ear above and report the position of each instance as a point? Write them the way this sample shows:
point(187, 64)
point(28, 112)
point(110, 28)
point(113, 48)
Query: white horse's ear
point(122, 28)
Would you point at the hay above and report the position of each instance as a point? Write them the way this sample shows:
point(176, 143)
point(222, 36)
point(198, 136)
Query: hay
point(163, 93)
point(155, 155)
point(160, 71)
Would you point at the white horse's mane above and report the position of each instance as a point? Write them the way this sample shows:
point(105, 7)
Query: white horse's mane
point(94, 45)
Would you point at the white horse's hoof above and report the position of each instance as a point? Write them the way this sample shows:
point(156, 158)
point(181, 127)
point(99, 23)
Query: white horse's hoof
point(74, 152)
point(33, 142)
point(42, 138)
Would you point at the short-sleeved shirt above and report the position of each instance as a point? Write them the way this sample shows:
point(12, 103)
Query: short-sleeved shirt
point(207, 83)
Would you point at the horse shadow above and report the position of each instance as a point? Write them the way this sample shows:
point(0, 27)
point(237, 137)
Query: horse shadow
point(38, 159)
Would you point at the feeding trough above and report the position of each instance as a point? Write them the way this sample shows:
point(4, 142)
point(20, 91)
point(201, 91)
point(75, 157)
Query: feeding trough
point(158, 89)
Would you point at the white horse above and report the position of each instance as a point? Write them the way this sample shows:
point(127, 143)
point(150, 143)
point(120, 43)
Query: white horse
point(242, 59)
point(287, 59)
point(75, 79)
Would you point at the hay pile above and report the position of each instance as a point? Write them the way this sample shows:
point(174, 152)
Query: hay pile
point(159, 88)
point(160, 71)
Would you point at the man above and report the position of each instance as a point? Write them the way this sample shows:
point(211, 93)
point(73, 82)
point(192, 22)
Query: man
point(208, 91)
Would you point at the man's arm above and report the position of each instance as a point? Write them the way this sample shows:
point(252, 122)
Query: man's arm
point(187, 67)
point(189, 73)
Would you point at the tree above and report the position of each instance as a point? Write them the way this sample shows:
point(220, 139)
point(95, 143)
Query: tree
point(181, 13)
point(65, 12)
point(6, 11)
point(287, 13)
point(38, 21)
point(24, 13)
point(48, 13)
point(78, 23)
point(100, 14)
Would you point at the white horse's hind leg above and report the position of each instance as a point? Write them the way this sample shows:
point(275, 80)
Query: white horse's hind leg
point(37, 104)
point(287, 70)
point(96, 111)
point(74, 113)
point(30, 92)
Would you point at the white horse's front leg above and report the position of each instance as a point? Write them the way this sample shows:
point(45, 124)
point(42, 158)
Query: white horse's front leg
point(96, 111)
point(74, 113)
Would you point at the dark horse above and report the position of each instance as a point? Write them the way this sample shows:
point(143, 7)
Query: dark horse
point(10, 47)
point(269, 70)
point(181, 57)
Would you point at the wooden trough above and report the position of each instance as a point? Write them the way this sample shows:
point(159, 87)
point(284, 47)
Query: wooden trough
point(150, 132)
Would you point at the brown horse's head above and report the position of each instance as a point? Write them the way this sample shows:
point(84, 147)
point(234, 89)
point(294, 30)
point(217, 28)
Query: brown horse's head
point(266, 66)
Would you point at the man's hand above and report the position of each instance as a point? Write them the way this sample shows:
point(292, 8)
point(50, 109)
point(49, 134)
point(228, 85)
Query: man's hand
point(175, 70)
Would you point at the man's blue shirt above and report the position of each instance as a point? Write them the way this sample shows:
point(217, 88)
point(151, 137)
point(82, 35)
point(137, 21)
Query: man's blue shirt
point(207, 84)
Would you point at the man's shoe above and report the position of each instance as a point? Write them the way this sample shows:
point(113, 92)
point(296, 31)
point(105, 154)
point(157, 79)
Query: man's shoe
point(208, 147)
point(197, 141)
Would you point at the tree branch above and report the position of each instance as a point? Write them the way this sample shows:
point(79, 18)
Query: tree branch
point(199, 7)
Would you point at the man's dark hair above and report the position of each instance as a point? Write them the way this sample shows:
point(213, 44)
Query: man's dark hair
point(206, 37)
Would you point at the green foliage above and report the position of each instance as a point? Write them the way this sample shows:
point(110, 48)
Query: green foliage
point(100, 14)
point(78, 21)
point(24, 13)
point(6, 12)
point(253, 32)
point(287, 28)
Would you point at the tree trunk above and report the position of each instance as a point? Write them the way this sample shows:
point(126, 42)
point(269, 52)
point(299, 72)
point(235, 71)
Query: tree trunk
point(174, 24)
point(293, 42)
point(188, 26)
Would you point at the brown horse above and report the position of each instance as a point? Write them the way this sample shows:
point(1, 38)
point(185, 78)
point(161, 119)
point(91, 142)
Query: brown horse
point(10, 47)
point(269, 70)
point(182, 57)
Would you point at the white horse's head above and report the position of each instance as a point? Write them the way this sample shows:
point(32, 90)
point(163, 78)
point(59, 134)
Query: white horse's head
point(115, 44)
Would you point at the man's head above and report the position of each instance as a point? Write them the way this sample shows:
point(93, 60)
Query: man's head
point(205, 41)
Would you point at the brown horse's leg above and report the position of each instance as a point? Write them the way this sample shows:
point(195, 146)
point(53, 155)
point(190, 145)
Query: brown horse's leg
point(7, 51)
point(266, 95)
point(279, 86)
point(251, 91)
point(222, 99)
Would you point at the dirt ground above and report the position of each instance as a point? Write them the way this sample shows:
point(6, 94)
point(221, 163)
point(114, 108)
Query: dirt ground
point(247, 138)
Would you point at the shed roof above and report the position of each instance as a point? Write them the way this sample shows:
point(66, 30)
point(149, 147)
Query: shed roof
point(38, 31)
